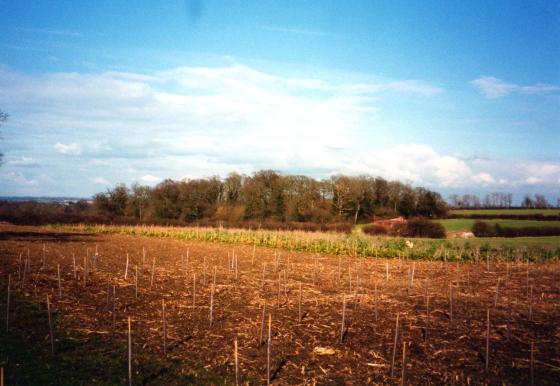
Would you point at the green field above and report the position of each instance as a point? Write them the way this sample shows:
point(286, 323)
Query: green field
point(465, 224)
point(544, 212)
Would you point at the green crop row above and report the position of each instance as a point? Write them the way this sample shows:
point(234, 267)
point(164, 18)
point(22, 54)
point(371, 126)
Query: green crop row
point(356, 244)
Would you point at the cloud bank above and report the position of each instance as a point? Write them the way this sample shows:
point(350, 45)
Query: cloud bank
point(87, 130)
point(494, 88)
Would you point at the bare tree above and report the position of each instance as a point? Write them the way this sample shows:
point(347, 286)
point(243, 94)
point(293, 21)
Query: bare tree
point(540, 201)
point(527, 202)
point(455, 200)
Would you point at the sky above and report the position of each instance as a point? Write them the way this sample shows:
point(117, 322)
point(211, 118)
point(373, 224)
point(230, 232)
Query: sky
point(457, 96)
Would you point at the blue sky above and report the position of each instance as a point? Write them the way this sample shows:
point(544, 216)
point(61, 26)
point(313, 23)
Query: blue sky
point(459, 96)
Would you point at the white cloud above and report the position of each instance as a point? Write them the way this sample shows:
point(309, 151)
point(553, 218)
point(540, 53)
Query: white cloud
point(49, 31)
point(494, 88)
point(484, 178)
point(419, 164)
point(18, 179)
point(150, 178)
point(415, 86)
point(539, 88)
point(98, 162)
point(100, 181)
point(69, 149)
point(22, 161)
point(200, 121)
point(422, 165)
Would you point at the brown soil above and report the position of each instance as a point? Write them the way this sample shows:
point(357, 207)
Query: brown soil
point(442, 346)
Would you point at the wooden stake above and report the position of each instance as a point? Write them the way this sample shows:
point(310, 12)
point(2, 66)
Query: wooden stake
point(74, 267)
point(343, 325)
point(508, 328)
point(164, 326)
point(395, 345)
point(194, 290)
point(8, 303)
point(108, 293)
point(268, 349)
point(387, 271)
point(404, 361)
point(278, 294)
point(497, 293)
point(126, 268)
point(59, 286)
point(19, 266)
point(286, 282)
point(25, 265)
point(262, 324)
point(95, 258)
point(129, 353)
point(85, 271)
point(527, 278)
point(153, 272)
point(204, 272)
point(487, 339)
point(43, 259)
point(211, 304)
point(450, 302)
point(51, 329)
point(531, 303)
point(114, 313)
point(375, 300)
point(299, 306)
point(532, 363)
point(412, 275)
point(427, 312)
point(339, 267)
point(263, 272)
point(236, 362)
point(136, 282)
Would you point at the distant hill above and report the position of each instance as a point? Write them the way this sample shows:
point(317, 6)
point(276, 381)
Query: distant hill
point(46, 200)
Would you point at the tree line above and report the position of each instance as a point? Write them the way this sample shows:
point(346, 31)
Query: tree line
point(499, 200)
point(269, 195)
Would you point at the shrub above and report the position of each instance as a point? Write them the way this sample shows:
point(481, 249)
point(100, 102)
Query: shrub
point(340, 227)
point(532, 216)
point(415, 227)
point(420, 227)
point(526, 231)
point(375, 230)
point(483, 229)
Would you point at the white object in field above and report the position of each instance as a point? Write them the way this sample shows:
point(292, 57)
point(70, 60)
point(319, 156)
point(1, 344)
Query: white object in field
point(467, 235)
point(409, 243)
